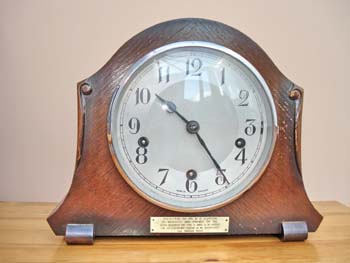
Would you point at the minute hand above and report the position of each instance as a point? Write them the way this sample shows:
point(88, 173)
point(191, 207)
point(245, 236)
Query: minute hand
point(201, 141)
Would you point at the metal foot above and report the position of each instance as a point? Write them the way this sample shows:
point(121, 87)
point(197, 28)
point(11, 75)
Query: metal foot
point(82, 234)
point(294, 231)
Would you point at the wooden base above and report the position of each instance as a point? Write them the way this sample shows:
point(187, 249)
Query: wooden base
point(26, 237)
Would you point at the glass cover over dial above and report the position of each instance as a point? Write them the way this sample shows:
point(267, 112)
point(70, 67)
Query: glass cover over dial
point(192, 126)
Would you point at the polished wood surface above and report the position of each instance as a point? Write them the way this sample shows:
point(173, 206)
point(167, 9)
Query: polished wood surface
point(100, 196)
point(26, 237)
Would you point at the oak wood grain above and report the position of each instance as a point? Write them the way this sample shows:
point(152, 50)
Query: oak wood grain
point(99, 195)
point(26, 237)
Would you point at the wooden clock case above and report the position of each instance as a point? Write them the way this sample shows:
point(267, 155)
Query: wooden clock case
point(100, 196)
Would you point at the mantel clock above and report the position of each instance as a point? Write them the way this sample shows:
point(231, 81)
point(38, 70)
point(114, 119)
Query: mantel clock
point(189, 129)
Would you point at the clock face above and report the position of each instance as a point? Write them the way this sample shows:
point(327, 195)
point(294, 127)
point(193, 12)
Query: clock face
point(192, 126)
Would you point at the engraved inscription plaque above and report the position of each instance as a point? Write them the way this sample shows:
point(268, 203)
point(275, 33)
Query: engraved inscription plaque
point(211, 224)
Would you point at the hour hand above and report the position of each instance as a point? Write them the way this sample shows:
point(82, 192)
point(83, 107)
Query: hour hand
point(170, 107)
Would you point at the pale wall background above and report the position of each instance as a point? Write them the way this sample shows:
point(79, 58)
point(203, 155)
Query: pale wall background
point(46, 47)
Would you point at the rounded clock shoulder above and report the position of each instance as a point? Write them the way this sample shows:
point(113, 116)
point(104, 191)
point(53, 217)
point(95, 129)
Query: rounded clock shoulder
point(199, 122)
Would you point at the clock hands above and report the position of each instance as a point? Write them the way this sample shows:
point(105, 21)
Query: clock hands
point(193, 128)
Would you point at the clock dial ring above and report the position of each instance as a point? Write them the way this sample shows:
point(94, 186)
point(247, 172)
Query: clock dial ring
point(125, 82)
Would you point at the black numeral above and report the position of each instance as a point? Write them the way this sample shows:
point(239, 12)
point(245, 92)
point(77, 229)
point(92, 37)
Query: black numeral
point(161, 71)
point(220, 177)
point(241, 156)
point(141, 155)
point(134, 125)
point(222, 76)
point(243, 95)
point(193, 66)
point(165, 176)
point(143, 96)
point(250, 129)
point(191, 186)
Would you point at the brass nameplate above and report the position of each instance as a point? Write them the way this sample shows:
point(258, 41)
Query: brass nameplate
point(210, 224)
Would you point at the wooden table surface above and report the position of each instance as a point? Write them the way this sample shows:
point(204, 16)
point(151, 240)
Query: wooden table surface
point(26, 237)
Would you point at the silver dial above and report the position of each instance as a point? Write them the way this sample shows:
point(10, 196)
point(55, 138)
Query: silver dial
point(192, 126)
